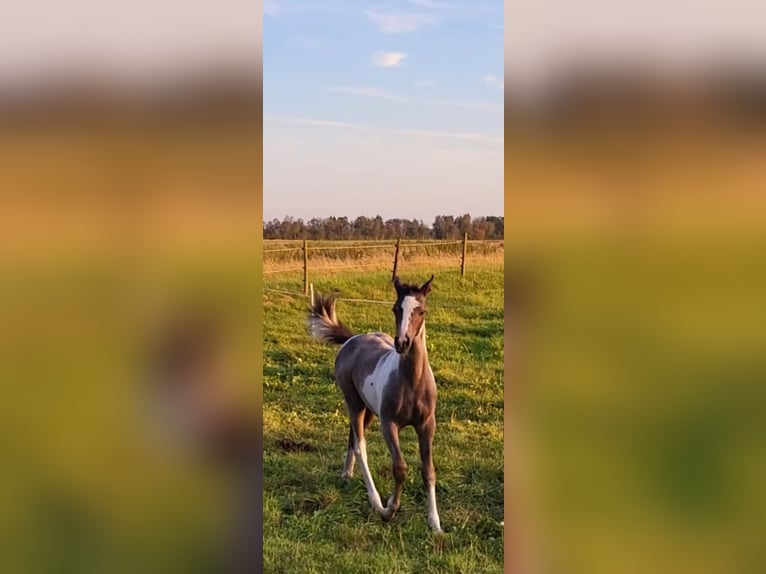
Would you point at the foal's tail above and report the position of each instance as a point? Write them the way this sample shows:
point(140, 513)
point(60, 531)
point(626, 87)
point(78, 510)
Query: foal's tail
point(324, 324)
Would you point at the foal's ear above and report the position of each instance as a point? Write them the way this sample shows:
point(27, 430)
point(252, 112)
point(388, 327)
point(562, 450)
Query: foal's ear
point(425, 289)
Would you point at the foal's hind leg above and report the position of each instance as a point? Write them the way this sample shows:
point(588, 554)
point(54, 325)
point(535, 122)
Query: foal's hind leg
point(391, 435)
point(348, 466)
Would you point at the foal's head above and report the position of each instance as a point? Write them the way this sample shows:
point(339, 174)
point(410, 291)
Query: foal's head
point(410, 312)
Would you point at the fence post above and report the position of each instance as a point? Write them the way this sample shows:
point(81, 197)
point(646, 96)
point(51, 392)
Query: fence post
point(396, 258)
point(311, 290)
point(305, 268)
point(462, 259)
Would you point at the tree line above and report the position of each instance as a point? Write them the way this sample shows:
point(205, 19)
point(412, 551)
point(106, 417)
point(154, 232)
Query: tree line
point(338, 228)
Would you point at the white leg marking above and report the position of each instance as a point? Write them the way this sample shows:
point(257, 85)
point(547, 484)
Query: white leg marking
point(372, 492)
point(433, 514)
point(388, 511)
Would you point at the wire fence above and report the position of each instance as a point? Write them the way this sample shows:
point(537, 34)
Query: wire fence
point(320, 257)
point(309, 298)
point(328, 256)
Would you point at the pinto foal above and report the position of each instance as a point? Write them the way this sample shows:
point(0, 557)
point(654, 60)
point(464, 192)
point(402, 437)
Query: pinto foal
point(390, 378)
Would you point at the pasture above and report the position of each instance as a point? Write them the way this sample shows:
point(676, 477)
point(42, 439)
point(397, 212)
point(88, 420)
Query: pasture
point(88, 485)
point(313, 522)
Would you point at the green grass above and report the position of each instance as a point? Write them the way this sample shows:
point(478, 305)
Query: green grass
point(87, 486)
point(314, 523)
point(644, 401)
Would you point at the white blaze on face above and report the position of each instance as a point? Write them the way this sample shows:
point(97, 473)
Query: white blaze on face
point(409, 304)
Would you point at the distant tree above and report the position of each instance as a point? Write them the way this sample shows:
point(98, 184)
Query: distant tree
point(463, 225)
point(362, 227)
point(498, 227)
point(316, 229)
point(340, 228)
point(480, 228)
point(444, 227)
point(378, 228)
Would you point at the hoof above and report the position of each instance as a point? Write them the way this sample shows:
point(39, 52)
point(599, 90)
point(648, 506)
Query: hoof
point(436, 528)
point(387, 514)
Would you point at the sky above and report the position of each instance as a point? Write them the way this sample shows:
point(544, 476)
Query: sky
point(391, 108)
point(383, 108)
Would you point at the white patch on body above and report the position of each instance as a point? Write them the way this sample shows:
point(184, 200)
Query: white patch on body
point(375, 383)
point(409, 304)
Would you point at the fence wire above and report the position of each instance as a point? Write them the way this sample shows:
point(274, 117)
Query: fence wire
point(298, 295)
point(269, 272)
point(296, 248)
point(341, 247)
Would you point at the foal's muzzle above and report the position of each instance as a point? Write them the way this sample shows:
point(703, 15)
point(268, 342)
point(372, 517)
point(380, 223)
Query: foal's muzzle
point(402, 345)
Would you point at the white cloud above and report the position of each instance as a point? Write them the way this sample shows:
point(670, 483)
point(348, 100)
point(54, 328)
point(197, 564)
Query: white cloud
point(464, 136)
point(378, 93)
point(485, 106)
point(428, 4)
point(368, 92)
point(394, 23)
point(388, 59)
point(493, 81)
point(315, 123)
point(431, 134)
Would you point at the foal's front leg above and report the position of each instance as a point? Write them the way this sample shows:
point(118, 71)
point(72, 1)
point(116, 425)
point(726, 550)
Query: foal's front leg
point(425, 439)
point(399, 468)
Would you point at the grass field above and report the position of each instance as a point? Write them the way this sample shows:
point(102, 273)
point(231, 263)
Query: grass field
point(643, 403)
point(87, 486)
point(313, 523)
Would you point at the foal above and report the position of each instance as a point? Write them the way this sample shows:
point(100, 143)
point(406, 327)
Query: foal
point(390, 378)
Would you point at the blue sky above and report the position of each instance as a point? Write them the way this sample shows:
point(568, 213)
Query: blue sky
point(391, 109)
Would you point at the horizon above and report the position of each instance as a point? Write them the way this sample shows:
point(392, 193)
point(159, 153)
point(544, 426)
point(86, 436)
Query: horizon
point(355, 217)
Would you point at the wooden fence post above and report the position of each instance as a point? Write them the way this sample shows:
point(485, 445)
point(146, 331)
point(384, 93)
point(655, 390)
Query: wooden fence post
point(462, 259)
point(396, 258)
point(305, 267)
point(311, 291)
